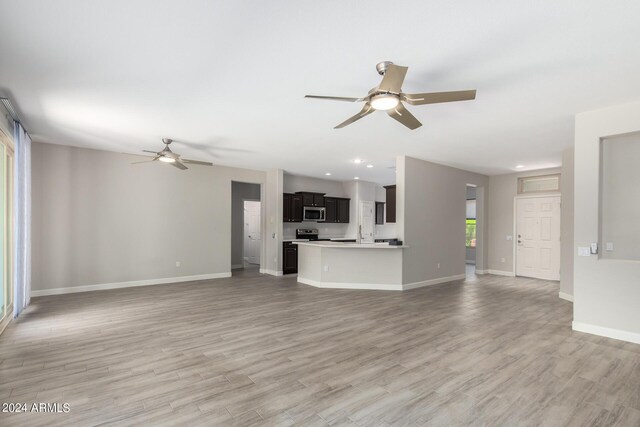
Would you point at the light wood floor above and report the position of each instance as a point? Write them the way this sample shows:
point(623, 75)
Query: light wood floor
point(261, 350)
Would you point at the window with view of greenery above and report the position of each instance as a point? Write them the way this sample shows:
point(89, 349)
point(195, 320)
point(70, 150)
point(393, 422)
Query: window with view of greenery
point(471, 233)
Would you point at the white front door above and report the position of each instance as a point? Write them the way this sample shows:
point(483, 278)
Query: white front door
point(538, 237)
point(367, 220)
point(252, 237)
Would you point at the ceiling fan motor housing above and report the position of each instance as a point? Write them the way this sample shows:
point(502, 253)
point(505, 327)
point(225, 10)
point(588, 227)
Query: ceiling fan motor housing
point(381, 67)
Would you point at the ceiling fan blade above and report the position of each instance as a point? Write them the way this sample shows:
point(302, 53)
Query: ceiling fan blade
point(179, 165)
point(196, 162)
point(147, 161)
point(403, 115)
point(335, 98)
point(437, 97)
point(366, 110)
point(393, 78)
point(148, 151)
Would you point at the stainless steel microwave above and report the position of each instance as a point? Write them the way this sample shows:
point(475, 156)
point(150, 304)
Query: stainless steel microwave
point(313, 214)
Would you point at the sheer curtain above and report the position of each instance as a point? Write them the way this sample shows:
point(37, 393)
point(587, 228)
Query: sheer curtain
point(22, 223)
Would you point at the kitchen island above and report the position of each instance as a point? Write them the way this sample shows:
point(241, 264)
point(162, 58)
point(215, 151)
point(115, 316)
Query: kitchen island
point(350, 265)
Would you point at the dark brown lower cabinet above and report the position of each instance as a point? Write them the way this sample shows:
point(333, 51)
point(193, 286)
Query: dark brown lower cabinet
point(289, 258)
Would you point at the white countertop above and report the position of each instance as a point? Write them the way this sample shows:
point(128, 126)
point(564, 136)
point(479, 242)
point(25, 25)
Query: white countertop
point(295, 240)
point(336, 244)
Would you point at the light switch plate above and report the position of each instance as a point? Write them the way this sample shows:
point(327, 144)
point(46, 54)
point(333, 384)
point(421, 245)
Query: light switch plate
point(509, 237)
point(584, 251)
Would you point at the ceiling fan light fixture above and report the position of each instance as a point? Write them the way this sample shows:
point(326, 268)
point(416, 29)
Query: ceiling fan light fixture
point(167, 159)
point(384, 101)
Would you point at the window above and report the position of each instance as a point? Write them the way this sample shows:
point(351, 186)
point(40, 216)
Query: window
point(539, 184)
point(471, 233)
point(471, 224)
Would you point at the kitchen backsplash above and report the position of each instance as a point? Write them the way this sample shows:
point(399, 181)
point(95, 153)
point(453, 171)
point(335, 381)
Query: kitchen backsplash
point(386, 231)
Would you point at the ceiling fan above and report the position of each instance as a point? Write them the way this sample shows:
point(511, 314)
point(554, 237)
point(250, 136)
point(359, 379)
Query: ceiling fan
point(388, 96)
point(168, 156)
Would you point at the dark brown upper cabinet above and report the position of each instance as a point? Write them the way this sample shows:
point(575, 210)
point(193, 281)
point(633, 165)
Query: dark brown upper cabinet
point(296, 208)
point(337, 210)
point(391, 203)
point(286, 207)
point(311, 199)
point(292, 207)
point(379, 213)
point(331, 209)
point(343, 211)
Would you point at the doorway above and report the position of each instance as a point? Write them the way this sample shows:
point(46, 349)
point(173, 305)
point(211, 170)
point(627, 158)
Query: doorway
point(538, 237)
point(252, 235)
point(471, 230)
point(246, 249)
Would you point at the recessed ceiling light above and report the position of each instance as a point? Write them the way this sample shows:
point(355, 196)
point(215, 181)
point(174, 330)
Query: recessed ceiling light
point(356, 177)
point(369, 166)
point(357, 161)
point(328, 173)
point(519, 166)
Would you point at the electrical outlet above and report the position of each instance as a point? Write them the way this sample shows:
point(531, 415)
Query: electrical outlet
point(509, 237)
point(178, 264)
point(584, 251)
point(438, 265)
point(609, 246)
point(326, 268)
point(503, 260)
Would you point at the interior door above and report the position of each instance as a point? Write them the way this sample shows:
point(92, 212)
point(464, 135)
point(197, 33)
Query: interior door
point(538, 237)
point(367, 220)
point(252, 236)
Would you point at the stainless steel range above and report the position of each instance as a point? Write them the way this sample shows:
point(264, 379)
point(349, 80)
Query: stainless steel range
point(307, 233)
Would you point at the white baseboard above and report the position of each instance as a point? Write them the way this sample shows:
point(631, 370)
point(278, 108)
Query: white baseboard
point(481, 271)
point(237, 266)
point(433, 281)
point(565, 296)
point(380, 286)
point(271, 272)
point(131, 284)
point(617, 334)
point(6, 319)
point(336, 285)
point(501, 273)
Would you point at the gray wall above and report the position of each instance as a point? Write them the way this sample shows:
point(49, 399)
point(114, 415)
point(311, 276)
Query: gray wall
point(566, 224)
point(606, 292)
point(621, 197)
point(99, 219)
point(272, 242)
point(431, 218)
point(240, 191)
point(502, 190)
point(293, 183)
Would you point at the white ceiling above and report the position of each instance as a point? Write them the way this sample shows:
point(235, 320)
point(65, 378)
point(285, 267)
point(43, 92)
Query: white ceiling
point(228, 77)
